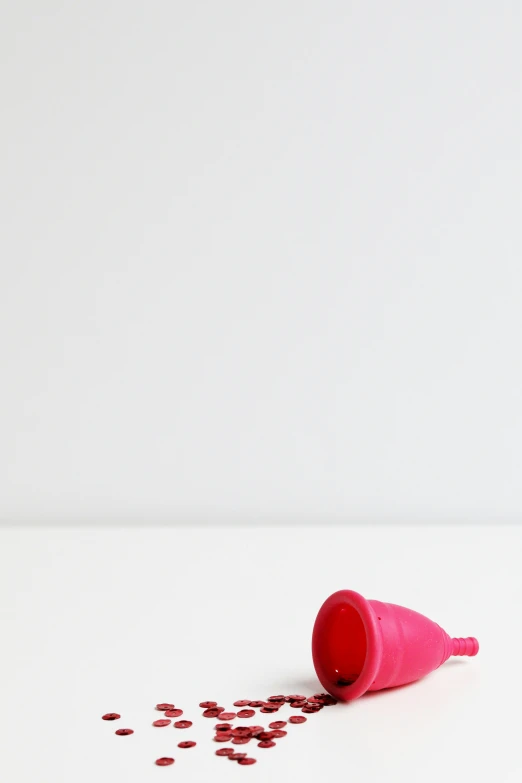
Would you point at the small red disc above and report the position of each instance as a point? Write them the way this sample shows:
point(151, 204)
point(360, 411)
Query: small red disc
point(124, 732)
point(242, 703)
point(188, 744)
point(161, 723)
point(297, 719)
point(222, 736)
point(173, 713)
point(111, 716)
point(222, 726)
point(207, 705)
point(246, 713)
point(165, 706)
point(237, 756)
point(295, 697)
point(224, 752)
point(256, 703)
point(183, 724)
point(211, 713)
point(164, 761)
point(227, 715)
point(278, 733)
point(277, 724)
point(240, 740)
point(266, 744)
point(246, 761)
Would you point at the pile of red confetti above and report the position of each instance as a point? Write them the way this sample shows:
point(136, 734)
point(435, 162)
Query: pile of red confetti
point(237, 735)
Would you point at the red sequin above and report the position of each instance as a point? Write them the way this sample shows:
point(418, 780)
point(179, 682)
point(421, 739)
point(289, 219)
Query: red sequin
point(256, 730)
point(183, 724)
point(124, 732)
point(111, 716)
point(240, 740)
point(295, 697)
point(246, 713)
point(276, 698)
point(165, 706)
point(222, 736)
point(164, 761)
point(208, 704)
point(277, 724)
point(188, 744)
point(227, 715)
point(225, 752)
point(173, 713)
point(212, 713)
point(242, 731)
point(266, 744)
point(222, 726)
point(246, 761)
point(297, 719)
point(266, 735)
point(256, 703)
point(278, 733)
point(268, 710)
point(237, 756)
point(297, 704)
point(242, 703)
point(161, 723)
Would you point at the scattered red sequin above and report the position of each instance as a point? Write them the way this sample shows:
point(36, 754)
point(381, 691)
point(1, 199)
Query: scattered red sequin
point(297, 704)
point(266, 744)
point(165, 706)
point(277, 724)
point(225, 752)
point(256, 703)
point(266, 735)
point(297, 719)
point(222, 726)
point(295, 697)
point(212, 713)
point(124, 732)
point(237, 756)
point(242, 703)
point(240, 740)
point(246, 713)
point(173, 713)
point(161, 723)
point(208, 704)
point(222, 736)
point(111, 716)
point(227, 715)
point(268, 710)
point(164, 761)
point(278, 733)
point(188, 744)
point(242, 731)
point(276, 698)
point(182, 724)
point(246, 761)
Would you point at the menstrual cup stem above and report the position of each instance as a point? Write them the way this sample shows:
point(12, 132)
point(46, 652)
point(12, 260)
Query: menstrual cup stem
point(468, 646)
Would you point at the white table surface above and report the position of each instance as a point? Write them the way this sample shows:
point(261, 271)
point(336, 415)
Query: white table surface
point(119, 619)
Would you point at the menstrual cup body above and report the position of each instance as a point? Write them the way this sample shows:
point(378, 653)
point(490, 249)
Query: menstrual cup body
point(360, 645)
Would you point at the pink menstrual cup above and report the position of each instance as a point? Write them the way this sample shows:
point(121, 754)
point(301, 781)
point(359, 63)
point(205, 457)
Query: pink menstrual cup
point(360, 645)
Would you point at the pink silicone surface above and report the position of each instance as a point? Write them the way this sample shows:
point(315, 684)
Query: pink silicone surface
point(360, 645)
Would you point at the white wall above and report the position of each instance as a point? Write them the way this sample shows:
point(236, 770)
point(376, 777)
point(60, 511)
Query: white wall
point(260, 260)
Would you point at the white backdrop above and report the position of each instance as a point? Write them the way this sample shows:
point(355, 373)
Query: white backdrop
point(260, 261)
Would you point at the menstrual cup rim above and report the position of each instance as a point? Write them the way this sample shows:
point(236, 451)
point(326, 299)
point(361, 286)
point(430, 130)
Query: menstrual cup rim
point(373, 644)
